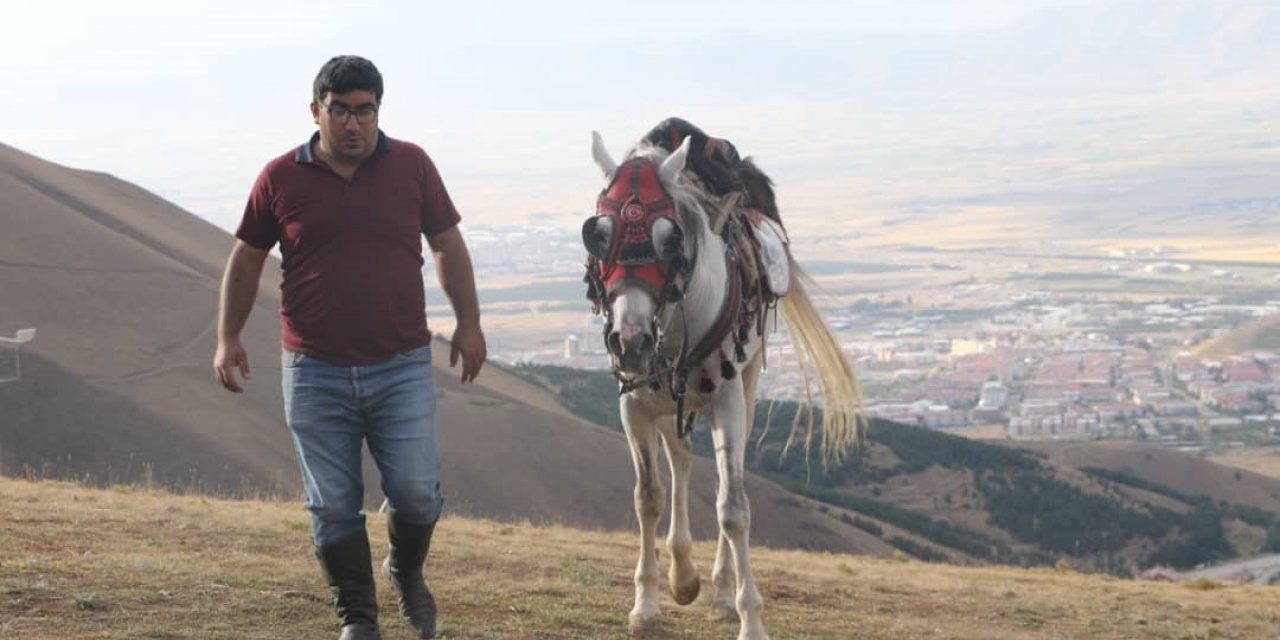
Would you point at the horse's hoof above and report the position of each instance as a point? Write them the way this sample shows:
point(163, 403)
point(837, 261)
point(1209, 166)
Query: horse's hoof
point(645, 626)
point(724, 611)
point(687, 593)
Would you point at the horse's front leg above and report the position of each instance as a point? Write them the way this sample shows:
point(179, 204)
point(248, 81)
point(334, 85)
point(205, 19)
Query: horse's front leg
point(730, 435)
point(643, 436)
point(723, 575)
point(683, 576)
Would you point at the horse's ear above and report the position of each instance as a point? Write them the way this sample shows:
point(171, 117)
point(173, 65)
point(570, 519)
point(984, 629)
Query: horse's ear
point(674, 164)
point(601, 155)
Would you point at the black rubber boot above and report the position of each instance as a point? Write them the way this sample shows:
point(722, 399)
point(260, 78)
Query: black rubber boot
point(410, 544)
point(348, 570)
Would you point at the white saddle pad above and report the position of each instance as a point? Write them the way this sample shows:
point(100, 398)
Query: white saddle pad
point(774, 255)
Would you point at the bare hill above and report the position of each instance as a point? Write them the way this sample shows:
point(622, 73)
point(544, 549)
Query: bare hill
point(1187, 473)
point(122, 287)
point(1114, 507)
point(1262, 334)
point(1118, 507)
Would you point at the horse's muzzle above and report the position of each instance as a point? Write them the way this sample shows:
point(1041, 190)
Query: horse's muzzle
point(631, 346)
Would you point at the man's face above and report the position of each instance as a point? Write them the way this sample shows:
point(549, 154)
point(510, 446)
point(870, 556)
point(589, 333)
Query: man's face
point(348, 124)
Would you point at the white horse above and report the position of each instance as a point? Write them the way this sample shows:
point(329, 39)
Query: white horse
point(688, 282)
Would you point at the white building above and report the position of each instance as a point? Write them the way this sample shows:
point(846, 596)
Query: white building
point(10, 359)
point(587, 339)
point(994, 395)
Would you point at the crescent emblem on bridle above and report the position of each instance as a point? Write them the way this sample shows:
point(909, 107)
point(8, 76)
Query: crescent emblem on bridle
point(633, 211)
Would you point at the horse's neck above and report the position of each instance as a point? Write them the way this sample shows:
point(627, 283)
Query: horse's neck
point(707, 288)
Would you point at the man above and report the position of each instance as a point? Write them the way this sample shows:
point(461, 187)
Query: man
point(349, 209)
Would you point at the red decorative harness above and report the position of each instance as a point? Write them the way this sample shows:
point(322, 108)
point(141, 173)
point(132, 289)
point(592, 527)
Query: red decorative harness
point(634, 200)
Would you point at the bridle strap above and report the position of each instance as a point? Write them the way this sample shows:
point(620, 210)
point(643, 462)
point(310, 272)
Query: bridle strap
point(728, 315)
point(720, 329)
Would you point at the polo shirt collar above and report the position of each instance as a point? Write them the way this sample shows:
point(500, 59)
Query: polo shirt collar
point(304, 154)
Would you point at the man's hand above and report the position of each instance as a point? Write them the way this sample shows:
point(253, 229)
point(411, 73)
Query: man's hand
point(239, 287)
point(453, 269)
point(468, 341)
point(230, 356)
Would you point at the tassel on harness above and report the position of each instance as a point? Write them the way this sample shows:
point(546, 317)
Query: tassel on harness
point(706, 385)
point(683, 429)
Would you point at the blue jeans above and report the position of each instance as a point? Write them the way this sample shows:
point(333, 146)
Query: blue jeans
point(331, 410)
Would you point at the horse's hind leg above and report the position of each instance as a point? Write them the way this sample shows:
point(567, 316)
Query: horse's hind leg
point(683, 576)
point(726, 582)
point(730, 434)
point(649, 500)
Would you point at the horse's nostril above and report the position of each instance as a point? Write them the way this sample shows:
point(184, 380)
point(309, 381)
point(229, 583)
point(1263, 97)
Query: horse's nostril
point(614, 343)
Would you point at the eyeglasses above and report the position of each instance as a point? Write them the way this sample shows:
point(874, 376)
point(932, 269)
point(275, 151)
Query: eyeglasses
point(343, 113)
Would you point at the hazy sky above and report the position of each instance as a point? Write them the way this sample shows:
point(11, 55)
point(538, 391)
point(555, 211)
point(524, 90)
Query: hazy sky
point(189, 99)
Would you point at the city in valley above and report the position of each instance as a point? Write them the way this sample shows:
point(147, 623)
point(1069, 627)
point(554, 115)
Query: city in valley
point(1042, 340)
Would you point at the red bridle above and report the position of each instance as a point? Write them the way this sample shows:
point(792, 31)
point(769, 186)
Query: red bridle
point(634, 200)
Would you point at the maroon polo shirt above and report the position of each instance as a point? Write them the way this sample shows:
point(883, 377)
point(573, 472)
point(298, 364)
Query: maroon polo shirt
point(352, 291)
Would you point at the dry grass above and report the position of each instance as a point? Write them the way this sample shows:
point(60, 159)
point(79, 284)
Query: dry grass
point(1263, 460)
point(130, 563)
point(1260, 334)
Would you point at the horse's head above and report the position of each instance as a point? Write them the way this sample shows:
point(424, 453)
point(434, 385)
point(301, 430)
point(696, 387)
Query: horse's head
point(636, 242)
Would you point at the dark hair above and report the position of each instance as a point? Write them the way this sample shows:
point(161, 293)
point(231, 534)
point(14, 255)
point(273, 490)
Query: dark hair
point(347, 73)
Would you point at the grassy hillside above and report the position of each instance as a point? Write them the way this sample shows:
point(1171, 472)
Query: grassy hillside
point(943, 498)
point(134, 563)
point(1262, 334)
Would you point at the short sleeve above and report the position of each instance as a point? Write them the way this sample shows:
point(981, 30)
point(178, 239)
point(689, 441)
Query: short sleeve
point(258, 227)
point(438, 212)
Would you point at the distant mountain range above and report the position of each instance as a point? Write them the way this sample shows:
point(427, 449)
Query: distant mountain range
point(1108, 47)
point(1098, 124)
point(1124, 47)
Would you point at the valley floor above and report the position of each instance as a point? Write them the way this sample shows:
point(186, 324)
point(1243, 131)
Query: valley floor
point(134, 563)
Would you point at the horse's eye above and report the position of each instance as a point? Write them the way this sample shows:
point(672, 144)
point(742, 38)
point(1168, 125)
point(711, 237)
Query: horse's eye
point(668, 240)
point(597, 231)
